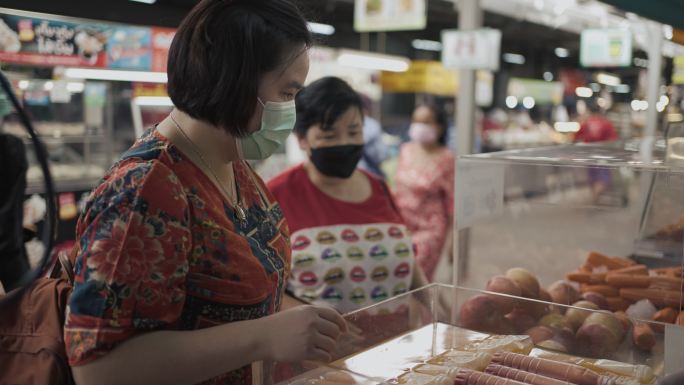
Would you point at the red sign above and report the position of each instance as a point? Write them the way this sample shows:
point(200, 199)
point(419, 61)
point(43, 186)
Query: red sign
point(161, 43)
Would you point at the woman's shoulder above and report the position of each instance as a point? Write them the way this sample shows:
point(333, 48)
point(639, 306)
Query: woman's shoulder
point(147, 168)
point(446, 153)
point(287, 179)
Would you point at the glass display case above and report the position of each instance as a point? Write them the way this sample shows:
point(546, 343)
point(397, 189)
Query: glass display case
point(73, 121)
point(563, 212)
point(443, 334)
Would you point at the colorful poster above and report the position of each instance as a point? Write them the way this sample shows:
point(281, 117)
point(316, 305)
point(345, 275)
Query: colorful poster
point(130, 48)
point(389, 15)
point(161, 43)
point(26, 40)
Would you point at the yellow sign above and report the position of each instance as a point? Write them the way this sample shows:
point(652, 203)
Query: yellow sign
point(149, 89)
point(422, 77)
point(678, 71)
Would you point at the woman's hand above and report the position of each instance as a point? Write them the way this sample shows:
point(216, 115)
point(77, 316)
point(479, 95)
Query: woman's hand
point(303, 333)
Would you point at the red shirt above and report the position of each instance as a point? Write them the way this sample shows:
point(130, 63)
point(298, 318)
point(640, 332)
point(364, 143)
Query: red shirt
point(345, 255)
point(596, 128)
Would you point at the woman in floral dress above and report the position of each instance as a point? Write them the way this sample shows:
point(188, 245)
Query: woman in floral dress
point(425, 187)
point(184, 255)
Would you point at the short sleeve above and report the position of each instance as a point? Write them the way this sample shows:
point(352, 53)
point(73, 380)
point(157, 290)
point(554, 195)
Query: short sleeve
point(130, 274)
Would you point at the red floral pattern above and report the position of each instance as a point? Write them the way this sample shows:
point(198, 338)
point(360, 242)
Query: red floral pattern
point(161, 250)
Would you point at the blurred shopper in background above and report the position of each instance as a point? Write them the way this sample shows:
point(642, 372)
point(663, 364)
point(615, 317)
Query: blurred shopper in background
point(597, 128)
point(375, 152)
point(350, 245)
point(425, 187)
point(13, 261)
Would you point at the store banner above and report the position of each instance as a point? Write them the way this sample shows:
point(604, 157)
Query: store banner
point(606, 48)
point(474, 50)
point(389, 15)
point(161, 43)
point(26, 40)
point(43, 42)
point(130, 48)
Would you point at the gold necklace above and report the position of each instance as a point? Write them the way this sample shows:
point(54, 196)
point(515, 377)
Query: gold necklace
point(235, 202)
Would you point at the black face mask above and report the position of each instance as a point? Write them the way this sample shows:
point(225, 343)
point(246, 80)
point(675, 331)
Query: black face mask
point(337, 161)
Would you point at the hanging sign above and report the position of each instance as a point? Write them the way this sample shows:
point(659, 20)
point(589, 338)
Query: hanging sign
point(606, 48)
point(479, 49)
point(389, 15)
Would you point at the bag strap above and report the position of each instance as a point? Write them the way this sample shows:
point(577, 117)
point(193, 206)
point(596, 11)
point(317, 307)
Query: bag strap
point(64, 265)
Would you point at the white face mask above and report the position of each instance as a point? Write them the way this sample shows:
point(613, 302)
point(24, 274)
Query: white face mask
point(277, 122)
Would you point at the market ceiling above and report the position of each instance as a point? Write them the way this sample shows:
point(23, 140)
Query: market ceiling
point(665, 11)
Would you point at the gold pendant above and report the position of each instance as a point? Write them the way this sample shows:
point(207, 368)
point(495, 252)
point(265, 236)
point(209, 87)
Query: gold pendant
point(240, 213)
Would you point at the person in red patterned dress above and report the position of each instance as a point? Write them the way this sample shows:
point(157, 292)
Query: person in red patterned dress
point(183, 252)
point(425, 187)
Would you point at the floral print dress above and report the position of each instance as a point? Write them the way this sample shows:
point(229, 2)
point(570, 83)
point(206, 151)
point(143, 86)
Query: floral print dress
point(160, 249)
point(425, 197)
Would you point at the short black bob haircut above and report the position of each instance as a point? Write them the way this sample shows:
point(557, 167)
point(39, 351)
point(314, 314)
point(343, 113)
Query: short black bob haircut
point(221, 50)
point(440, 116)
point(323, 102)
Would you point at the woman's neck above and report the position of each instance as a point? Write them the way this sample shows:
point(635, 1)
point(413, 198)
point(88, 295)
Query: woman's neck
point(429, 148)
point(215, 145)
point(324, 181)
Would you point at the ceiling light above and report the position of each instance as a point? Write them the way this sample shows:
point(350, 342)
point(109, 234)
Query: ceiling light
point(48, 86)
point(514, 58)
point(427, 45)
point(548, 76)
point(562, 52)
point(145, 1)
point(321, 29)
point(153, 101)
point(23, 84)
point(511, 102)
point(668, 31)
point(639, 105)
point(75, 87)
point(115, 75)
point(528, 102)
point(608, 79)
point(664, 99)
point(622, 89)
point(374, 61)
point(584, 92)
point(566, 127)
